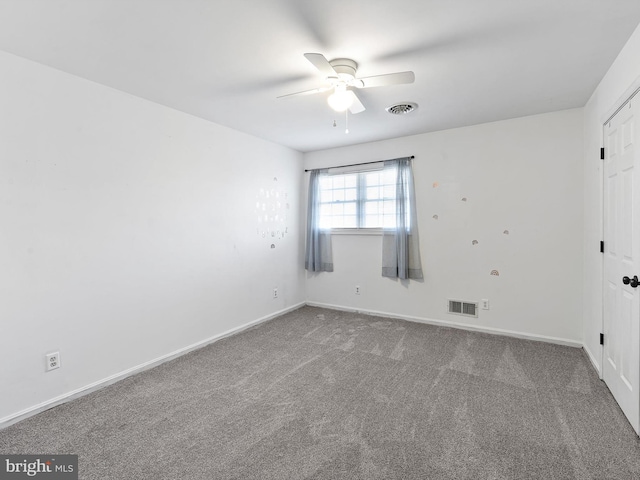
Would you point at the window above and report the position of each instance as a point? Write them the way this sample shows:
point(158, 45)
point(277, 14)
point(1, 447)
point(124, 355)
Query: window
point(382, 201)
point(362, 200)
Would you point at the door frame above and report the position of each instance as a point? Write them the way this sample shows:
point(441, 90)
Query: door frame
point(632, 91)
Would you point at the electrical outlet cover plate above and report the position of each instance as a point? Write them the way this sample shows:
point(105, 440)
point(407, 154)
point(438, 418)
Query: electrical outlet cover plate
point(53, 360)
point(485, 304)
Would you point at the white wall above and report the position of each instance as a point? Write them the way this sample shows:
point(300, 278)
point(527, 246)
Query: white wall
point(129, 231)
point(522, 175)
point(622, 78)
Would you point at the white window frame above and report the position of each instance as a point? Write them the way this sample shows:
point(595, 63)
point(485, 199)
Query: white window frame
point(360, 200)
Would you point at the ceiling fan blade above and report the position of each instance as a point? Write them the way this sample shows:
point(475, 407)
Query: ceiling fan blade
point(321, 63)
point(384, 80)
point(307, 92)
point(356, 106)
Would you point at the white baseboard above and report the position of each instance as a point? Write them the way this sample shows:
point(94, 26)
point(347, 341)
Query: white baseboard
point(592, 359)
point(79, 392)
point(463, 326)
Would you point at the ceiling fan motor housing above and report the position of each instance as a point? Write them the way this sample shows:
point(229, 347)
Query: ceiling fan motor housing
point(345, 68)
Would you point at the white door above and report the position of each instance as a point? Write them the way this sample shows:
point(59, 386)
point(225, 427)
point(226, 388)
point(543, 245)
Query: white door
point(621, 360)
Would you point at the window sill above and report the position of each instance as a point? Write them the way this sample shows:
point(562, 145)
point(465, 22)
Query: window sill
point(356, 231)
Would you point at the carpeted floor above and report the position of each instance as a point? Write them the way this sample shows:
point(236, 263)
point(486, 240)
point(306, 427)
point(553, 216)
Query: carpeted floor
point(322, 394)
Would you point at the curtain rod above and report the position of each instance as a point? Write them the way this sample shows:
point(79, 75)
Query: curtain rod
point(355, 164)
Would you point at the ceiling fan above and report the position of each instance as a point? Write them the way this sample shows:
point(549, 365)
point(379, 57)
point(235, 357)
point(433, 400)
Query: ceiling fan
point(340, 76)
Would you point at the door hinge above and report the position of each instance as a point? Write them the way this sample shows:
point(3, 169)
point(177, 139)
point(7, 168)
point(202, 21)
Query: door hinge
point(602, 339)
point(602, 153)
point(601, 246)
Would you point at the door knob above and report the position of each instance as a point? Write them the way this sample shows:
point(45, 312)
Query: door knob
point(634, 282)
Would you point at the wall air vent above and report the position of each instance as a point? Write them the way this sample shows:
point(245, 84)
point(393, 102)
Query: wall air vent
point(461, 307)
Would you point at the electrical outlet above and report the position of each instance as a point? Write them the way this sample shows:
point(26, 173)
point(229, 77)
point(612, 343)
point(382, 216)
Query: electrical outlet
point(357, 291)
point(275, 292)
point(53, 360)
point(484, 304)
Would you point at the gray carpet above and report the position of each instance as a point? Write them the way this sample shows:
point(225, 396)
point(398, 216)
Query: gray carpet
point(321, 394)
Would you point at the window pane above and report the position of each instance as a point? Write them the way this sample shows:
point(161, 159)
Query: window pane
point(389, 176)
point(350, 208)
point(350, 181)
point(350, 194)
point(373, 193)
point(350, 221)
point(338, 181)
point(325, 210)
point(325, 222)
point(336, 222)
point(326, 196)
point(373, 217)
point(388, 221)
point(372, 178)
point(372, 208)
point(372, 221)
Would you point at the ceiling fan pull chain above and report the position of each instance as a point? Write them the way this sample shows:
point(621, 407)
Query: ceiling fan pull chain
point(346, 120)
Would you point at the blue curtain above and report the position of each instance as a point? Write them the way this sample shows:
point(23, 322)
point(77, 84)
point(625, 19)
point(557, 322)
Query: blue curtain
point(318, 254)
point(400, 243)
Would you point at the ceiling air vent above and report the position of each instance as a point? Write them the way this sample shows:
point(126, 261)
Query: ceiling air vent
point(402, 108)
point(460, 307)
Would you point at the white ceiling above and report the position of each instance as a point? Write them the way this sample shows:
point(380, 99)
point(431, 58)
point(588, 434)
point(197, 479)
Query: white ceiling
point(475, 61)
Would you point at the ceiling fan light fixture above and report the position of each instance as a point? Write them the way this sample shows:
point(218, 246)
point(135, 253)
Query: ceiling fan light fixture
point(340, 99)
point(340, 76)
